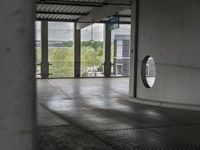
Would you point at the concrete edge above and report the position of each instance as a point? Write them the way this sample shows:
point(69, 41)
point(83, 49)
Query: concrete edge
point(166, 104)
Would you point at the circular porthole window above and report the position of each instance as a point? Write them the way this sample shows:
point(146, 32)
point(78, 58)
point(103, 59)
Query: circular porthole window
point(148, 71)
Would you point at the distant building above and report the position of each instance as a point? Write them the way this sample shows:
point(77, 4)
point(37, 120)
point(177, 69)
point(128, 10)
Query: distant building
point(37, 44)
point(121, 55)
point(51, 44)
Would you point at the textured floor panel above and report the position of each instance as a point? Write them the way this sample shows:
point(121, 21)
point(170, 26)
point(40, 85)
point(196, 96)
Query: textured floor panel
point(121, 131)
point(145, 139)
point(67, 138)
point(100, 119)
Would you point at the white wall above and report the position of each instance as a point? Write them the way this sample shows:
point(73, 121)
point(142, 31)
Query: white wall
point(169, 31)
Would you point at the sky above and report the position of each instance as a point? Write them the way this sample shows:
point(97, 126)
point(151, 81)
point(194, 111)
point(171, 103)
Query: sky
point(62, 31)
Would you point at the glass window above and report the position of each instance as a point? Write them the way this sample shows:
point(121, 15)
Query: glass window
point(120, 50)
point(119, 69)
point(92, 51)
point(148, 71)
point(61, 51)
point(38, 48)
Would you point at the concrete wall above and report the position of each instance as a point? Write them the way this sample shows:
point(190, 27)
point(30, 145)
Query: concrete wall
point(17, 75)
point(169, 31)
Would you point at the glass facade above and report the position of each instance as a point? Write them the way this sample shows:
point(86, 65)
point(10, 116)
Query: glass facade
point(61, 50)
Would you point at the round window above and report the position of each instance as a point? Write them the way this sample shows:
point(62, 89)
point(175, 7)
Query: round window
point(148, 71)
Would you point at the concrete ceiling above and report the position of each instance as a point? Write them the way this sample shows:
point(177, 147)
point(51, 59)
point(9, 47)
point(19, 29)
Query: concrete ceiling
point(84, 12)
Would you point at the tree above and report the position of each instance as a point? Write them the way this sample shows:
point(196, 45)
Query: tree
point(61, 59)
point(93, 44)
point(68, 44)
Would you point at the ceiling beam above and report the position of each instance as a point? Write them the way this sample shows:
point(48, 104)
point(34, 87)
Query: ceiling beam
point(61, 13)
point(72, 13)
point(83, 4)
point(98, 14)
point(125, 16)
point(56, 20)
point(75, 20)
point(120, 22)
point(70, 3)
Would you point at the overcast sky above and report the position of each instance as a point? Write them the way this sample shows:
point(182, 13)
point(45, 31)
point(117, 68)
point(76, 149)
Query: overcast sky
point(64, 31)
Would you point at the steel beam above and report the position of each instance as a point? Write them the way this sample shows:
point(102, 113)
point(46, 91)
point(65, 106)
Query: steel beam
point(85, 4)
point(125, 16)
point(56, 20)
point(77, 52)
point(75, 20)
point(134, 50)
point(107, 51)
point(45, 62)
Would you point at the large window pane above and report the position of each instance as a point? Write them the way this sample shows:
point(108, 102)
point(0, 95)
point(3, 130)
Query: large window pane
point(61, 53)
point(120, 51)
point(92, 51)
point(38, 48)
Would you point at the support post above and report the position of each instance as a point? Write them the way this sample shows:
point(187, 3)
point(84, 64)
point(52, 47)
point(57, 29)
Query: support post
point(134, 49)
point(17, 77)
point(44, 38)
point(107, 51)
point(77, 51)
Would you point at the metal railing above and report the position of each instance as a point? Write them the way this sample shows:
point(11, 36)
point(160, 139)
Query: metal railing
point(60, 69)
point(91, 70)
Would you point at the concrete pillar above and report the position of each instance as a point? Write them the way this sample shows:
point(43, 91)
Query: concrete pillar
point(134, 49)
point(44, 39)
point(107, 51)
point(77, 52)
point(17, 77)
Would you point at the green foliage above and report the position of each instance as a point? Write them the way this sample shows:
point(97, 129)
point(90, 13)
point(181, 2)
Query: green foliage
point(93, 44)
point(61, 60)
point(38, 60)
point(68, 44)
point(90, 58)
point(38, 55)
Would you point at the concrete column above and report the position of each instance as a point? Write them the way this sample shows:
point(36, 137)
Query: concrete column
point(17, 77)
point(107, 51)
point(44, 39)
point(134, 50)
point(77, 52)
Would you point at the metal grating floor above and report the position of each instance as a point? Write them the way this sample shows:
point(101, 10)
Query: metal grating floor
point(137, 132)
point(172, 138)
point(67, 138)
